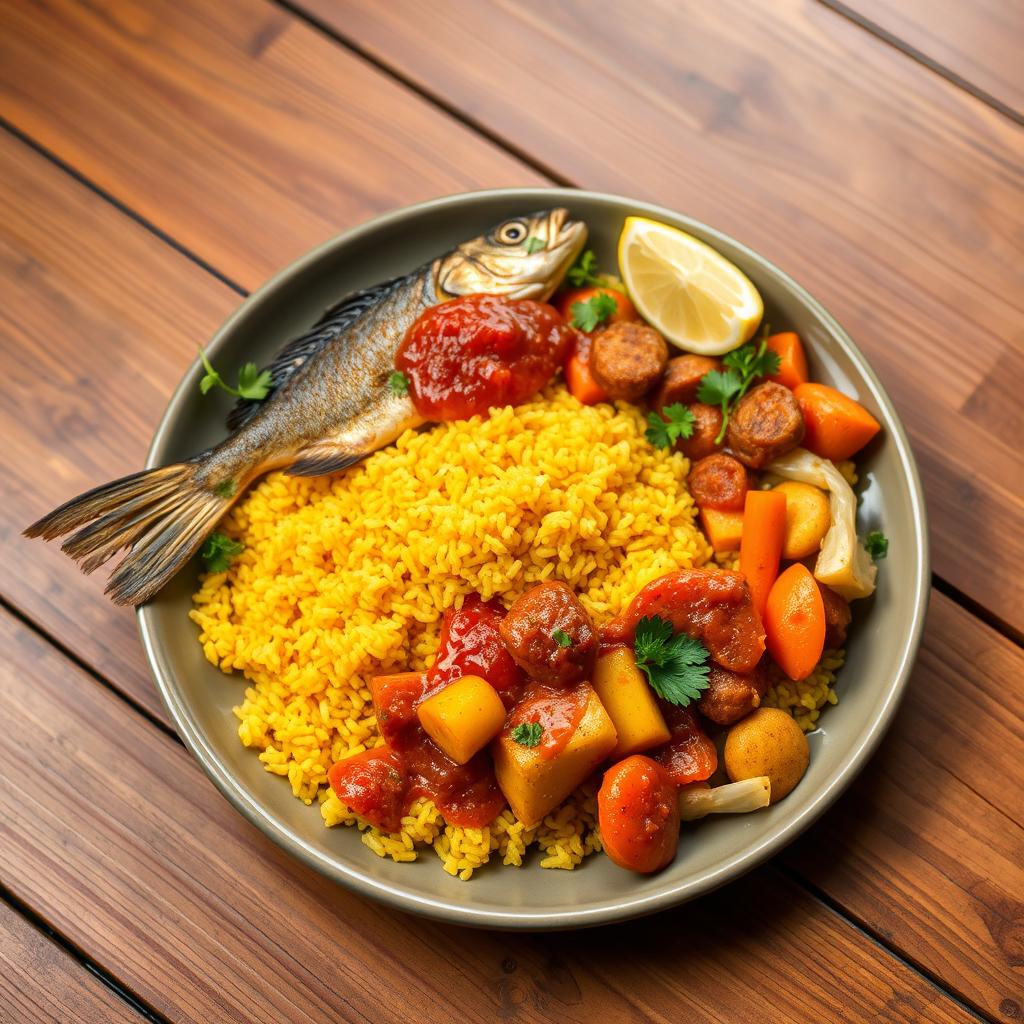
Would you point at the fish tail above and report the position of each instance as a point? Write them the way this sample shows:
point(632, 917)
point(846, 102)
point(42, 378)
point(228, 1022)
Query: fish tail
point(162, 515)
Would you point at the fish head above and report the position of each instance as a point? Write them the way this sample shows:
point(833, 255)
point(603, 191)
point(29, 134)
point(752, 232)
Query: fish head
point(522, 257)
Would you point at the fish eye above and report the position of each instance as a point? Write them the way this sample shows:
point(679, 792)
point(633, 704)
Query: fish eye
point(512, 232)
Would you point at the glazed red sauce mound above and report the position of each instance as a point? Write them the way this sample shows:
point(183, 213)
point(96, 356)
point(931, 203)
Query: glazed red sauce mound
point(465, 356)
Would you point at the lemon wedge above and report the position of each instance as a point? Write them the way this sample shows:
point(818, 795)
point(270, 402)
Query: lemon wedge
point(693, 295)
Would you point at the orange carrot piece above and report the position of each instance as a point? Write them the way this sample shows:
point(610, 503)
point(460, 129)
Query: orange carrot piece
point(764, 529)
point(792, 360)
point(722, 529)
point(836, 425)
point(580, 381)
point(794, 622)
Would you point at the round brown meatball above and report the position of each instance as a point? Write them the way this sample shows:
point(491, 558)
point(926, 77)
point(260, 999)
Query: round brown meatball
point(731, 695)
point(549, 634)
point(837, 617)
point(682, 377)
point(718, 481)
point(627, 359)
point(707, 422)
point(765, 423)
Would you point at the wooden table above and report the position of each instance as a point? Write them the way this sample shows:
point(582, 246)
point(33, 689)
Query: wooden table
point(162, 157)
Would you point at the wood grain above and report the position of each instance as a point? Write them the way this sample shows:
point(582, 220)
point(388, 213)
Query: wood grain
point(110, 831)
point(894, 196)
point(98, 319)
point(978, 42)
point(234, 126)
point(39, 981)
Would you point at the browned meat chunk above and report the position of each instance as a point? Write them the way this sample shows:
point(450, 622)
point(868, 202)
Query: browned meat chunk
point(682, 375)
point(549, 634)
point(764, 424)
point(718, 481)
point(730, 695)
point(627, 359)
point(837, 617)
point(707, 422)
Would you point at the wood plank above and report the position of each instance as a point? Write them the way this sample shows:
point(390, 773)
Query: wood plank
point(112, 834)
point(39, 981)
point(895, 197)
point(928, 847)
point(98, 318)
point(979, 41)
point(234, 126)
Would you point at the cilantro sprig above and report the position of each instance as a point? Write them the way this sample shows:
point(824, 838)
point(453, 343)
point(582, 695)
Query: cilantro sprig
point(253, 382)
point(534, 244)
point(528, 734)
point(584, 270)
point(877, 544)
point(398, 383)
point(218, 551)
point(594, 311)
point(675, 664)
point(561, 638)
point(725, 388)
point(664, 434)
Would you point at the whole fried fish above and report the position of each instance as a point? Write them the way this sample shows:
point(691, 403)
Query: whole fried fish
point(330, 405)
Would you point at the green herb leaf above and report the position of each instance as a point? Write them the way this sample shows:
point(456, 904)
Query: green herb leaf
point(534, 244)
point(679, 424)
point(528, 734)
point(212, 378)
point(399, 383)
point(877, 544)
point(218, 551)
point(675, 664)
point(561, 638)
point(588, 315)
point(584, 270)
point(744, 365)
point(254, 383)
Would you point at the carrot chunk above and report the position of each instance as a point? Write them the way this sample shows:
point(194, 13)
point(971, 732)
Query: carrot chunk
point(794, 622)
point(836, 425)
point(792, 360)
point(764, 530)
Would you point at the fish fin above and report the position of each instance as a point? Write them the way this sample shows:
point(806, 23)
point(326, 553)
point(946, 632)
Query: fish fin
point(319, 460)
point(163, 515)
point(298, 352)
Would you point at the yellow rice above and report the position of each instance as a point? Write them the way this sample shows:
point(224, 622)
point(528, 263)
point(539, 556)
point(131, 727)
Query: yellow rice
point(346, 577)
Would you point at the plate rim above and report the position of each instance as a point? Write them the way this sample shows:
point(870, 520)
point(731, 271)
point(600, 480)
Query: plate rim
point(619, 909)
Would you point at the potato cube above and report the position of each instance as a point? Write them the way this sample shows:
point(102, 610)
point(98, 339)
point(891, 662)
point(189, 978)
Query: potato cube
point(723, 529)
point(535, 785)
point(463, 717)
point(630, 703)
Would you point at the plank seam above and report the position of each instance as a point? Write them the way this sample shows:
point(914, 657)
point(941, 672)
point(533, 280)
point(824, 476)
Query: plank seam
point(890, 38)
point(979, 611)
point(80, 957)
point(109, 197)
point(834, 907)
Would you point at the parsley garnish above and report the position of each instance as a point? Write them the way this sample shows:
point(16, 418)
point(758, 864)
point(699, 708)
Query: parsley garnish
point(679, 425)
point(584, 270)
point(587, 315)
point(218, 551)
point(725, 388)
point(528, 734)
point(398, 382)
point(675, 665)
point(561, 638)
point(877, 544)
point(253, 382)
point(534, 244)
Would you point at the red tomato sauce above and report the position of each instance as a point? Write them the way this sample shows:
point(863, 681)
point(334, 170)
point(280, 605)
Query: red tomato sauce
point(381, 784)
point(557, 710)
point(690, 755)
point(465, 356)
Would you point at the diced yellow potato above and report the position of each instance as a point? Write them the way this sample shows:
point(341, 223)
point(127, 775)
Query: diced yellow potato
point(534, 785)
point(723, 529)
point(463, 717)
point(629, 702)
point(808, 518)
